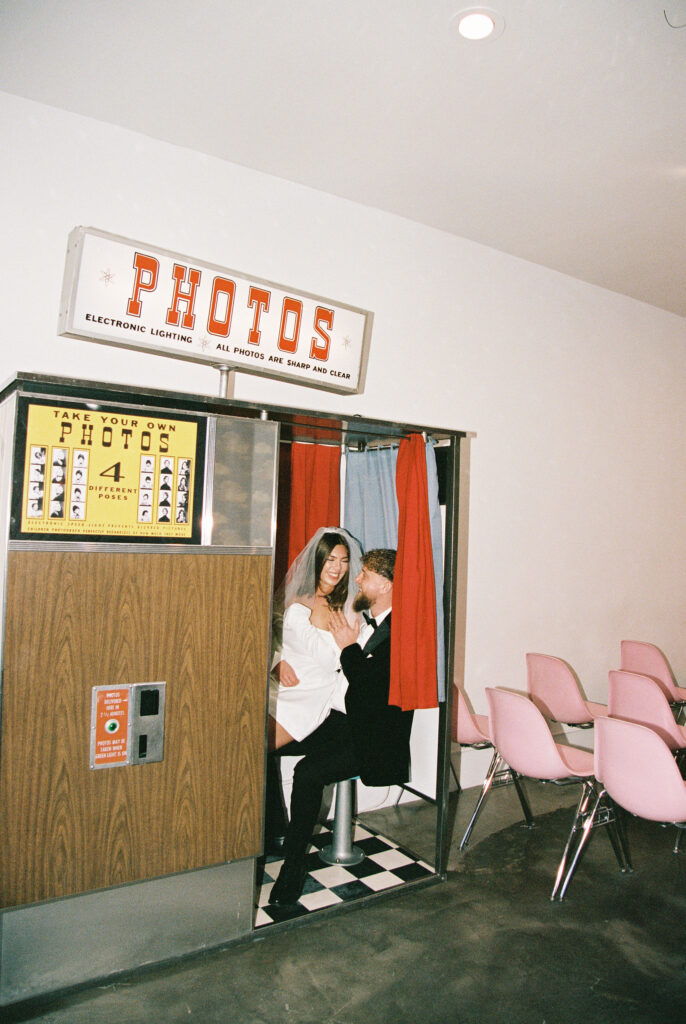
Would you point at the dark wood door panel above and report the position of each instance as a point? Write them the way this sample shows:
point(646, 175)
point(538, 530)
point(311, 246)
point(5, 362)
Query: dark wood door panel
point(78, 620)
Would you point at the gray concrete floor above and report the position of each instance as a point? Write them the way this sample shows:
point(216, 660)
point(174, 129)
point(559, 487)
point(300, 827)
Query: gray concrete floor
point(485, 947)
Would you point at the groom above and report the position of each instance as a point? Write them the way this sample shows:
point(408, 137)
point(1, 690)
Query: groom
point(371, 740)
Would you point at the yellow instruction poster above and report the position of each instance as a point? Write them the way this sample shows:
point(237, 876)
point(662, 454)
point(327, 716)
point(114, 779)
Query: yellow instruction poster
point(109, 473)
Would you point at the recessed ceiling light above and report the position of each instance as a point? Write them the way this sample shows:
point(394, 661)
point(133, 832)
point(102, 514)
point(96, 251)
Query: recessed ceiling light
point(479, 23)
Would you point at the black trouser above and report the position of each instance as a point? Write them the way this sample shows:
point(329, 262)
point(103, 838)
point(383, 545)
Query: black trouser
point(329, 757)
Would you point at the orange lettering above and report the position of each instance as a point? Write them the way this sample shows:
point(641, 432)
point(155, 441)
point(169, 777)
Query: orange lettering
point(319, 349)
point(221, 286)
point(173, 314)
point(259, 298)
point(292, 308)
point(147, 268)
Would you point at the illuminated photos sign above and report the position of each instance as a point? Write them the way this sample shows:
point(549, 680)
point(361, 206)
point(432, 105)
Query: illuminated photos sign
point(124, 293)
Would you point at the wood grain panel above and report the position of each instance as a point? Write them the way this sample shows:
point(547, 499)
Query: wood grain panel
point(78, 620)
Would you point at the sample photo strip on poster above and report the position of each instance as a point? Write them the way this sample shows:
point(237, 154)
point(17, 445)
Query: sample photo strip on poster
point(57, 485)
point(36, 485)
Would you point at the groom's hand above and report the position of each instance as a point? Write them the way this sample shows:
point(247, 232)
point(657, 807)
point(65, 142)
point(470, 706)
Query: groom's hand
point(343, 633)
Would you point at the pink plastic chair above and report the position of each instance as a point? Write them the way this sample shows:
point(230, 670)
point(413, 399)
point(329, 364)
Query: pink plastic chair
point(468, 728)
point(554, 689)
point(637, 698)
point(639, 772)
point(523, 737)
point(472, 730)
point(648, 660)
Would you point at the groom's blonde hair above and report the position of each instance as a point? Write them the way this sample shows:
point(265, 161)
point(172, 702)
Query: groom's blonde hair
point(381, 560)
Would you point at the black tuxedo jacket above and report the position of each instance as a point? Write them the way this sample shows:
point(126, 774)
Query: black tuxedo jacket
point(381, 734)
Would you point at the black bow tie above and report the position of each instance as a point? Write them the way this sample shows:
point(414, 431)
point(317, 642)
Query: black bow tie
point(370, 620)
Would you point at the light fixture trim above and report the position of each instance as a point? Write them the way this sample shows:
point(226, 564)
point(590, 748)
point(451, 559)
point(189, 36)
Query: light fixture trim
point(479, 24)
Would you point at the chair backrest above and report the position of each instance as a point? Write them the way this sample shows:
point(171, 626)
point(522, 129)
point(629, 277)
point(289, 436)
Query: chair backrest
point(522, 736)
point(554, 689)
point(638, 698)
point(637, 769)
point(648, 660)
point(464, 727)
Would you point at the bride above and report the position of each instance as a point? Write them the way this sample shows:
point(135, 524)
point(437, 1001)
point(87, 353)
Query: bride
point(306, 680)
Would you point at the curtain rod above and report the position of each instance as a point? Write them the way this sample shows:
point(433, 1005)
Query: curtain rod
point(359, 446)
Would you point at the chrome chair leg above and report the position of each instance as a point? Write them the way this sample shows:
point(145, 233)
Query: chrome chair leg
point(615, 831)
point(679, 709)
point(457, 781)
point(496, 760)
point(603, 812)
point(575, 842)
point(528, 816)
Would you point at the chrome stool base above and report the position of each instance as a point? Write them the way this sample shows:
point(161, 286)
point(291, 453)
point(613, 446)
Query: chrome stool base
point(341, 850)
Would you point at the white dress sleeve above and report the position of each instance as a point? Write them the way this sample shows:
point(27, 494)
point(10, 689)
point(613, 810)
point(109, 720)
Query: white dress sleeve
point(301, 637)
point(314, 656)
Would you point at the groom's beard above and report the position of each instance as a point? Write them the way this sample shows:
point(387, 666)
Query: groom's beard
point(361, 602)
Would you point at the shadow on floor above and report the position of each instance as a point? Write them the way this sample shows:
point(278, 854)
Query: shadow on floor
point(485, 947)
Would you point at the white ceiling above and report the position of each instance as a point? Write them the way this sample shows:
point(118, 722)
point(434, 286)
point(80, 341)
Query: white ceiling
point(562, 142)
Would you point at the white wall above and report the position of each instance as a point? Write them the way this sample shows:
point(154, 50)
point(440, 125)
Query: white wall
point(578, 475)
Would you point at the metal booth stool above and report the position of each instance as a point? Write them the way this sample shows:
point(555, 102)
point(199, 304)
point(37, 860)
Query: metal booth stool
point(341, 850)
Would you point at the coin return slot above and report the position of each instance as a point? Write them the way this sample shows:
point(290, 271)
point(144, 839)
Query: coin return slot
point(147, 725)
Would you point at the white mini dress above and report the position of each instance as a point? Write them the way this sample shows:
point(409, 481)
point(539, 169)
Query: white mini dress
point(314, 656)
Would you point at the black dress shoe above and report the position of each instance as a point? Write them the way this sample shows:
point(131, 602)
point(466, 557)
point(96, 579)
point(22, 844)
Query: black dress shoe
point(274, 845)
point(288, 887)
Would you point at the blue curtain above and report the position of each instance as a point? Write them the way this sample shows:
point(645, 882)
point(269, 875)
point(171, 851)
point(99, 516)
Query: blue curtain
point(371, 515)
point(371, 504)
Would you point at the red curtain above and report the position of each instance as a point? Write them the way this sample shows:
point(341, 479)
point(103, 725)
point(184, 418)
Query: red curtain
point(413, 636)
point(315, 492)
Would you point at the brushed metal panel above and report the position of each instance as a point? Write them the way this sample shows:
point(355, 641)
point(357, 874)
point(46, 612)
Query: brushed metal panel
point(244, 482)
point(8, 410)
point(67, 942)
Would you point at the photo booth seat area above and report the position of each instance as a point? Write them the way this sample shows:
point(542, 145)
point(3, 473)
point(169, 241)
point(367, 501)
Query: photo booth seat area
point(105, 869)
point(388, 492)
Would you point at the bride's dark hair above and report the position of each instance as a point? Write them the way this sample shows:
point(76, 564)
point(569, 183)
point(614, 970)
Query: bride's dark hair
point(327, 542)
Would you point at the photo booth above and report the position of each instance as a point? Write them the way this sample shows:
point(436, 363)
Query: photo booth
point(139, 553)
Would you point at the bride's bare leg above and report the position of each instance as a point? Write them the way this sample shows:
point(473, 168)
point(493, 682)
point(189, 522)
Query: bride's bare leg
point(277, 735)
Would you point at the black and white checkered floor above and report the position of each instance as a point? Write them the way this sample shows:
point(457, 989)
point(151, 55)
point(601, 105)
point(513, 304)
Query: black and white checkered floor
point(385, 866)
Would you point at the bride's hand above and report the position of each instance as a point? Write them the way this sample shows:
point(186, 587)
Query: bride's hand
point(285, 674)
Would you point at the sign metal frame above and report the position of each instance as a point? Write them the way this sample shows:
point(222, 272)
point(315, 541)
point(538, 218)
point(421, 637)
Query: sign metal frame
point(120, 292)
